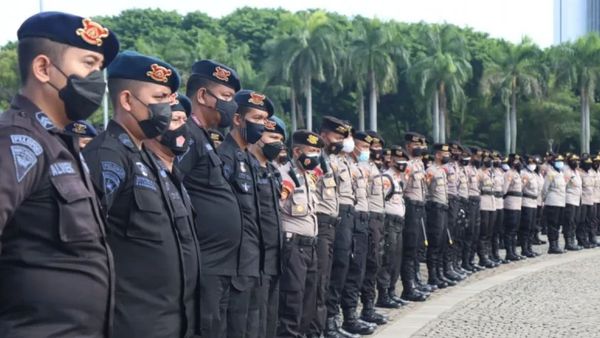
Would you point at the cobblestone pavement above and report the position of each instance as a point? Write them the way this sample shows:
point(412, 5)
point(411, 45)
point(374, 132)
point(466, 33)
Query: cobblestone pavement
point(549, 296)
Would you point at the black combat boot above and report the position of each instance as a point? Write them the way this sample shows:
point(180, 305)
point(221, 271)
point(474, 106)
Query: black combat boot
point(352, 325)
point(442, 277)
point(384, 300)
point(510, 250)
point(410, 292)
point(570, 244)
point(368, 314)
point(333, 331)
point(553, 248)
point(393, 296)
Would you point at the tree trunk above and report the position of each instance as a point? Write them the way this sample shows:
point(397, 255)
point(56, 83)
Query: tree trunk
point(436, 116)
point(372, 101)
point(585, 121)
point(507, 132)
point(293, 110)
point(361, 110)
point(513, 123)
point(443, 112)
point(309, 105)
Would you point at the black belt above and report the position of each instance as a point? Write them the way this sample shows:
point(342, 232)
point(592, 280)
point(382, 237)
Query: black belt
point(415, 203)
point(327, 219)
point(487, 193)
point(533, 197)
point(394, 218)
point(514, 194)
point(475, 198)
point(437, 205)
point(498, 194)
point(377, 215)
point(300, 239)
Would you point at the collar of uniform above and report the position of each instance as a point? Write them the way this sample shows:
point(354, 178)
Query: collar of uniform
point(24, 104)
point(117, 132)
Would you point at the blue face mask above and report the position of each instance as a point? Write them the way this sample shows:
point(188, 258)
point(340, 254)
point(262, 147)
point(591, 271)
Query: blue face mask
point(363, 156)
point(559, 165)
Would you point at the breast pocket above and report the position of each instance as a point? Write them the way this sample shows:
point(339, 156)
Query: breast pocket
point(215, 169)
point(299, 204)
point(76, 218)
point(148, 215)
point(182, 220)
point(328, 191)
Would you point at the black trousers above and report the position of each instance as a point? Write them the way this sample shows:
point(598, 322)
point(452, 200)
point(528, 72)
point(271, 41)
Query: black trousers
point(449, 250)
point(527, 225)
point(326, 237)
point(392, 254)
point(214, 301)
point(297, 289)
point(512, 218)
point(594, 222)
point(412, 238)
point(342, 250)
point(473, 228)
point(437, 219)
point(374, 257)
point(243, 293)
point(570, 217)
point(553, 217)
point(499, 225)
point(584, 223)
point(266, 306)
point(462, 222)
point(539, 221)
point(358, 261)
point(486, 229)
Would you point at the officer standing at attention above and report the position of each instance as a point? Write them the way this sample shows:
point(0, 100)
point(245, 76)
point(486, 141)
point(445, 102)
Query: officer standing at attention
point(586, 215)
point(298, 202)
point(211, 88)
point(83, 130)
point(554, 195)
point(531, 191)
point(414, 193)
point(240, 169)
point(573, 201)
point(60, 270)
point(513, 187)
point(333, 131)
point(143, 231)
point(596, 220)
point(473, 213)
point(264, 311)
point(498, 233)
point(487, 210)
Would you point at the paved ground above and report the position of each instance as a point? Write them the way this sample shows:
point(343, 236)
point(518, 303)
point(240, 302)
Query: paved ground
point(550, 296)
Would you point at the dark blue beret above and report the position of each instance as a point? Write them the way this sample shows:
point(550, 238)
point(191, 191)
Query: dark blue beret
point(377, 139)
point(71, 30)
point(256, 100)
point(276, 125)
point(362, 136)
point(216, 72)
point(81, 128)
point(307, 138)
point(135, 66)
point(182, 103)
point(333, 124)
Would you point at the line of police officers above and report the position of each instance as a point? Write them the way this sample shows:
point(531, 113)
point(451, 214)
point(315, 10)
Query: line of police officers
point(163, 227)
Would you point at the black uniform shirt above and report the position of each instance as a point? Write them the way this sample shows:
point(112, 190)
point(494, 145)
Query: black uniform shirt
point(269, 192)
point(218, 221)
point(142, 236)
point(56, 274)
point(240, 169)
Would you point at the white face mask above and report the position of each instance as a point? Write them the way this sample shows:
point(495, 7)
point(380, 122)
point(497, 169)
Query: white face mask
point(531, 167)
point(348, 145)
point(505, 167)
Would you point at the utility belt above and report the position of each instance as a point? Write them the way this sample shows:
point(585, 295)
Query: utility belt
point(327, 219)
point(530, 196)
point(301, 240)
point(514, 194)
point(498, 194)
point(487, 193)
point(436, 205)
point(475, 198)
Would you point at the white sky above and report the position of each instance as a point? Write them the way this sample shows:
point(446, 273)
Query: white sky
point(508, 19)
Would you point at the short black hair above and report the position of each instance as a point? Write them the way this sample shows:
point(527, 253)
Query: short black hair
point(196, 82)
point(30, 48)
point(116, 86)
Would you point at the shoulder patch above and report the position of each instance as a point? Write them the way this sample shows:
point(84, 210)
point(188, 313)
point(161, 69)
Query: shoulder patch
point(114, 168)
point(44, 121)
point(124, 138)
point(111, 182)
point(24, 159)
point(27, 141)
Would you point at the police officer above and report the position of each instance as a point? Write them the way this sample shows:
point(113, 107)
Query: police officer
point(144, 230)
point(487, 210)
point(375, 196)
point(586, 215)
point(531, 191)
point(240, 169)
point(513, 188)
point(473, 212)
point(554, 195)
point(536, 240)
point(498, 230)
point(387, 159)
point(573, 202)
point(414, 193)
point(299, 221)
point(263, 312)
point(332, 132)
point(216, 137)
point(596, 199)
point(60, 270)
point(83, 130)
point(211, 88)
point(437, 214)
point(395, 211)
point(462, 158)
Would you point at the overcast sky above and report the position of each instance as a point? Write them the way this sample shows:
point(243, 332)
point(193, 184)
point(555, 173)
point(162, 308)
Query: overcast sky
point(508, 19)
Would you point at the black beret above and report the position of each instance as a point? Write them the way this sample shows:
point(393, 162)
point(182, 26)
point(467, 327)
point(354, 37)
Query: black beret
point(349, 127)
point(71, 30)
point(216, 72)
point(132, 65)
point(377, 139)
point(397, 151)
point(333, 124)
point(514, 157)
point(81, 128)
point(573, 157)
point(307, 138)
point(215, 135)
point(256, 100)
point(276, 125)
point(363, 136)
point(441, 147)
point(455, 145)
point(475, 150)
point(413, 137)
point(182, 103)
point(586, 158)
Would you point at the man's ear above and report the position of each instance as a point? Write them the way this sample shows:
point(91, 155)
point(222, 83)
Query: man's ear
point(125, 100)
point(201, 96)
point(237, 119)
point(40, 68)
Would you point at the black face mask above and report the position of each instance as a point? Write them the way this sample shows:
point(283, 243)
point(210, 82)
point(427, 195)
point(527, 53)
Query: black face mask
point(226, 109)
point(158, 121)
point(595, 165)
point(308, 162)
point(401, 167)
point(456, 157)
point(487, 164)
point(335, 148)
point(424, 151)
point(417, 152)
point(376, 155)
point(573, 165)
point(272, 150)
point(586, 166)
point(445, 159)
point(176, 140)
point(476, 163)
point(496, 164)
point(517, 166)
point(82, 96)
point(464, 162)
point(252, 132)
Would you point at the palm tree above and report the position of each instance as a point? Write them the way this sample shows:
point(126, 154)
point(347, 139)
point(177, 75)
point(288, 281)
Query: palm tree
point(374, 53)
point(515, 72)
point(306, 50)
point(440, 74)
point(576, 66)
